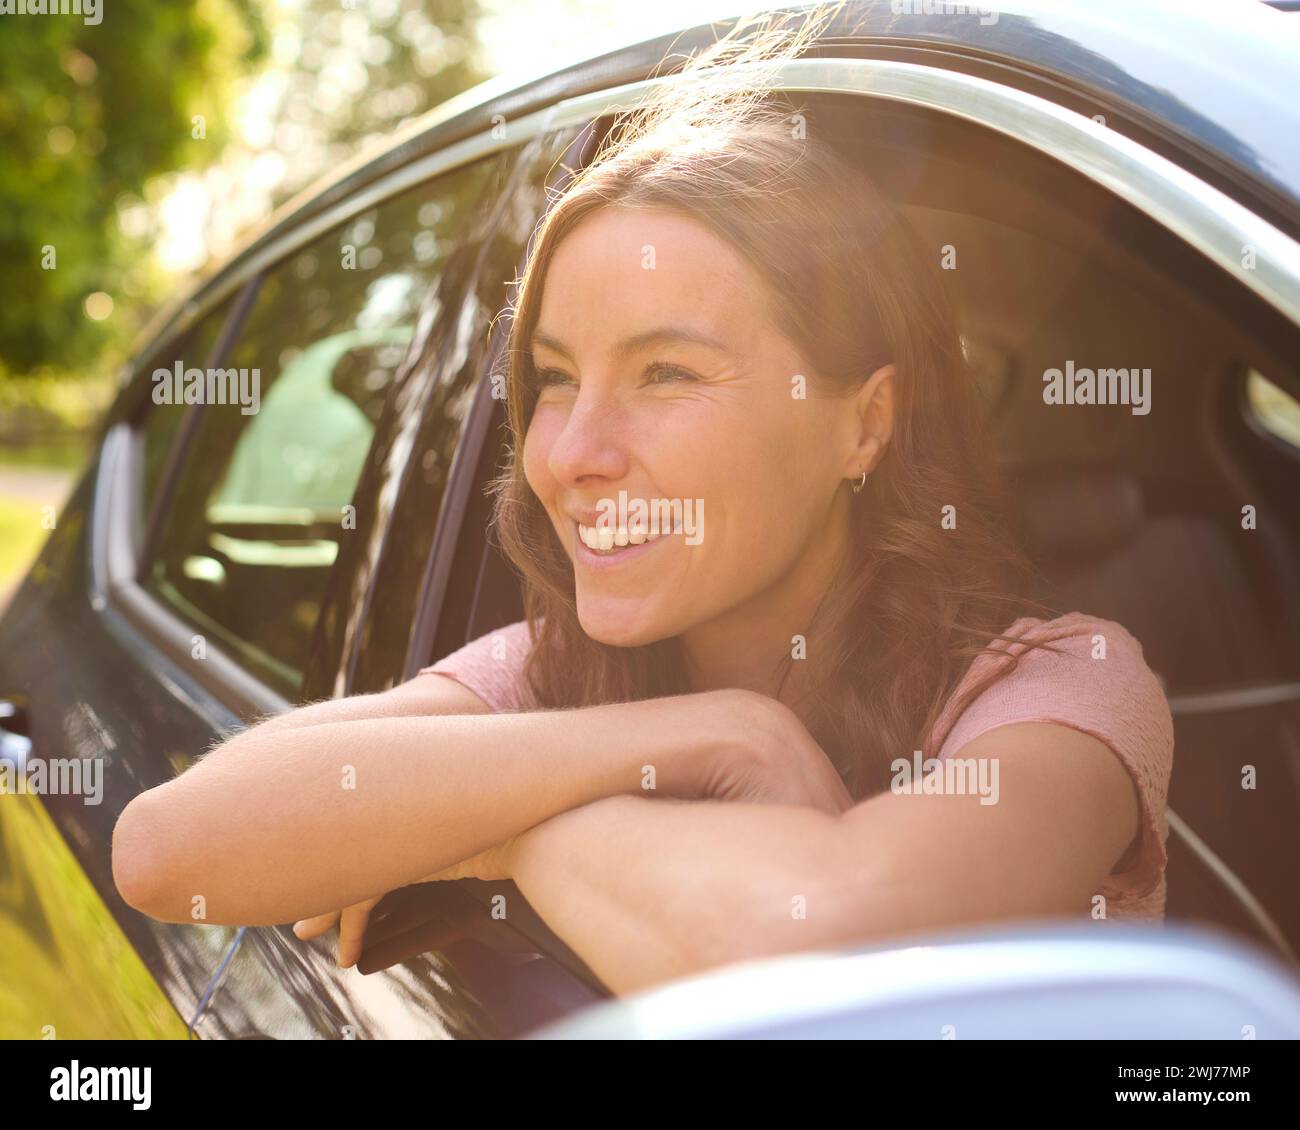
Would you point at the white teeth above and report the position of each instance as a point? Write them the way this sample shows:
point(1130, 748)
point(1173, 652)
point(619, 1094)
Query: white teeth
point(604, 539)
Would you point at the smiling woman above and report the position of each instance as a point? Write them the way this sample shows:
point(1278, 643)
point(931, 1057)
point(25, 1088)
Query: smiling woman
point(683, 753)
point(812, 351)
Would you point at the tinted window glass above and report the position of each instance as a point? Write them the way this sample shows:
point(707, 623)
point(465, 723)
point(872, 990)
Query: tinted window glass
point(162, 421)
point(265, 498)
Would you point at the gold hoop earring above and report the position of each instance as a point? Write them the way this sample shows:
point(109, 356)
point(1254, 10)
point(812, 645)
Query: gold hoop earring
point(857, 487)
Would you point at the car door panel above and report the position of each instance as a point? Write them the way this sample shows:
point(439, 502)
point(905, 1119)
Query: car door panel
point(93, 694)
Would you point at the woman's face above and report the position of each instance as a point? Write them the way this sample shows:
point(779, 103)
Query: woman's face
point(662, 375)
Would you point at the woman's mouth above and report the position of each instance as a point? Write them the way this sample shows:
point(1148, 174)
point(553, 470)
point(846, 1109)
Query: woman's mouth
point(602, 546)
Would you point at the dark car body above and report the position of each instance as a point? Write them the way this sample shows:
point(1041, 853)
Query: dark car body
point(1124, 161)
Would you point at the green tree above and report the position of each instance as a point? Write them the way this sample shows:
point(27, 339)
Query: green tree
point(361, 68)
point(88, 113)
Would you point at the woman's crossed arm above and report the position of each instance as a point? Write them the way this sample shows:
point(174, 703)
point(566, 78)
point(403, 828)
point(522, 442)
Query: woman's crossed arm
point(649, 892)
point(338, 802)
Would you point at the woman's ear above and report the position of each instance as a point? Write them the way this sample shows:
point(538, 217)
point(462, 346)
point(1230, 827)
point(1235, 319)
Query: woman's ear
point(874, 403)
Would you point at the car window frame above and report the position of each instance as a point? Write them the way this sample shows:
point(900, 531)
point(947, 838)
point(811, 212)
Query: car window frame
point(252, 302)
point(191, 423)
point(116, 563)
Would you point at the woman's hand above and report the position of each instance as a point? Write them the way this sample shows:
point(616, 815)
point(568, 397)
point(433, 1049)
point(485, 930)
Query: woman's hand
point(491, 864)
point(775, 759)
point(351, 921)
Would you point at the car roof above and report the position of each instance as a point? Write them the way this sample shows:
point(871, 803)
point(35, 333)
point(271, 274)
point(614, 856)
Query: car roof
point(1216, 80)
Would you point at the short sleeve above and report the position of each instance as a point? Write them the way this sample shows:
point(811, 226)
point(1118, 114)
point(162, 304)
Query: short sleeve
point(1096, 681)
point(492, 667)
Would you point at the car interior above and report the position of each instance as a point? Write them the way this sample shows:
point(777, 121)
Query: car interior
point(1179, 524)
point(259, 542)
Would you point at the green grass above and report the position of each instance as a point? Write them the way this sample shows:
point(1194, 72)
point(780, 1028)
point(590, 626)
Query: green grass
point(21, 537)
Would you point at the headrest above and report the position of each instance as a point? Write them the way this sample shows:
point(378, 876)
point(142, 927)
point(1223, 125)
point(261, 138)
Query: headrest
point(1076, 512)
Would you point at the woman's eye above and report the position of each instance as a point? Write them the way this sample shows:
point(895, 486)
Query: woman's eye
point(660, 373)
point(543, 378)
point(666, 374)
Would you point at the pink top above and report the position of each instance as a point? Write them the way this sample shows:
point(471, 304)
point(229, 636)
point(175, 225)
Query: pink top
point(1097, 682)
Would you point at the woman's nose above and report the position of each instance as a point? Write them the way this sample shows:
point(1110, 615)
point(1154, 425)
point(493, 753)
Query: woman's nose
point(591, 442)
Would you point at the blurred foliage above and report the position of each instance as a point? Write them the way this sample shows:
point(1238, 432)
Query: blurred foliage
point(45, 400)
point(358, 70)
point(88, 113)
point(97, 123)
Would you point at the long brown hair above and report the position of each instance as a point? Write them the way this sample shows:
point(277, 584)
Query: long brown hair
point(854, 289)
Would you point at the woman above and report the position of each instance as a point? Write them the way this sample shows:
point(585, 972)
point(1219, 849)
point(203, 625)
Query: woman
point(701, 743)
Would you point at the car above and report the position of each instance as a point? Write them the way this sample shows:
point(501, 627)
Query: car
point(1107, 184)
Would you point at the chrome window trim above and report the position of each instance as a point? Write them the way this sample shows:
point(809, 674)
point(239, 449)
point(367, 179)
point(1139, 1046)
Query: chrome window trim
point(115, 589)
point(1201, 215)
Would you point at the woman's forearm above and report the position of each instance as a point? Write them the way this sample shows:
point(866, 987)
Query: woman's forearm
point(650, 892)
point(284, 823)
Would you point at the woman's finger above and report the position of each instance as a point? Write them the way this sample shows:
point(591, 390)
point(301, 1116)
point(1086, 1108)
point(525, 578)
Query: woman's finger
point(308, 928)
point(352, 932)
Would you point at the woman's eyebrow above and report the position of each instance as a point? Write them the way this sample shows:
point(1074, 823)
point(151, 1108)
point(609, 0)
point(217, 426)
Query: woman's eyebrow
point(660, 335)
point(555, 345)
